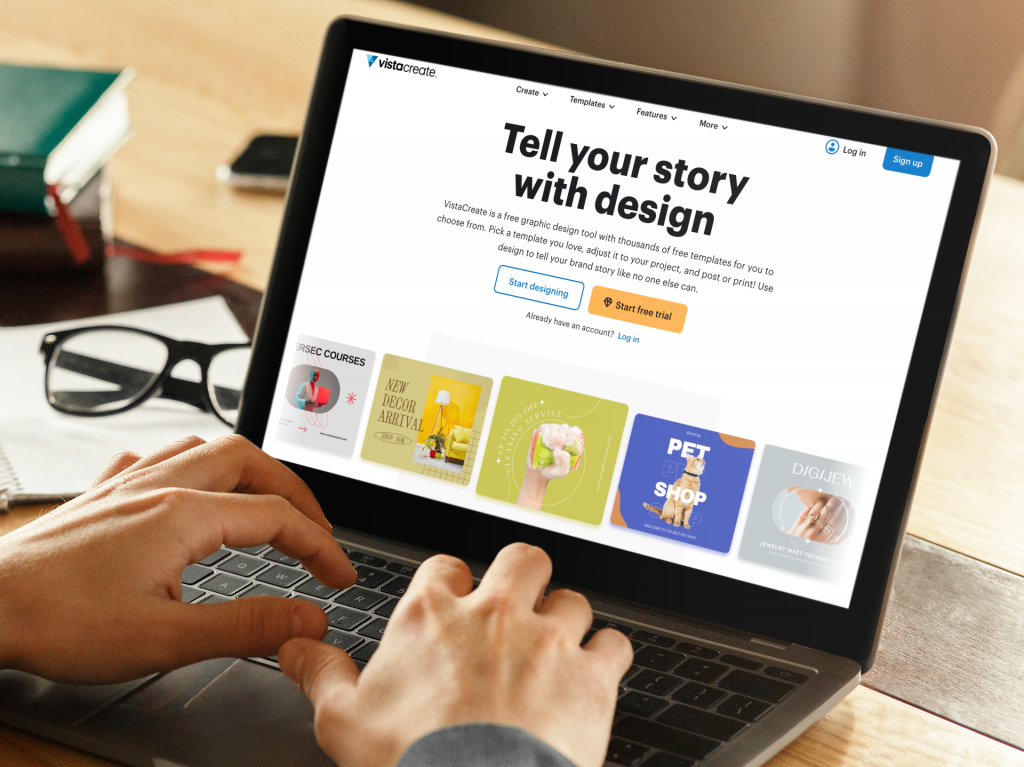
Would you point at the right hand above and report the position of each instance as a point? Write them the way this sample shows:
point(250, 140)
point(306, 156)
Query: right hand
point(502, 654)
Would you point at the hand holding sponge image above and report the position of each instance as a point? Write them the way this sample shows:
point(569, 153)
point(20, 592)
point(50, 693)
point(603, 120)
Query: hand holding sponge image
point(556, 449)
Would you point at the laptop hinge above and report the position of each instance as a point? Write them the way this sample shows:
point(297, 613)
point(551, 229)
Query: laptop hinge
point(770, 642)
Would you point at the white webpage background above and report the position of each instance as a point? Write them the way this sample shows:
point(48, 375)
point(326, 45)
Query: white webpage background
point(817, 366)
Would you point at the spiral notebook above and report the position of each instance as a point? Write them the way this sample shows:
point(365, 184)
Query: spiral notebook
point(47, 453)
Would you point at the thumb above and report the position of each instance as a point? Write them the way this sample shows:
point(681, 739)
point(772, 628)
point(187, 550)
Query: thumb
point(320, 670)
point(241, 628)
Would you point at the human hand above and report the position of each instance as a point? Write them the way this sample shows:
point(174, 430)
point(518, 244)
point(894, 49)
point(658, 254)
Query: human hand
point(451, 655)
point(817, 521)
point(535, 485)
point(91, 592)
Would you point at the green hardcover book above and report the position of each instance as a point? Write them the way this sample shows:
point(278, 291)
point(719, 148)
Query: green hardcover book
point(57, 126)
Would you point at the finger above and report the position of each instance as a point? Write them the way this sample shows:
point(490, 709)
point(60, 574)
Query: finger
point(520, 572)
point(210, 520)
point(799, 521)
point(170, 450)
point(118, 462)
point(810, 526)
point(612, 650)
point(571, 609)
point(320, 670)
point(253, 627)
point(450, 574)
point(229, 464)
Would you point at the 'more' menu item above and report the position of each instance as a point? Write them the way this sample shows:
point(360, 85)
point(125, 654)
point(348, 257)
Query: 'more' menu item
point(552, 450)
point(323, 398)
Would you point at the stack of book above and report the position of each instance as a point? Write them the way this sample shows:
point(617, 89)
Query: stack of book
point(58, 128)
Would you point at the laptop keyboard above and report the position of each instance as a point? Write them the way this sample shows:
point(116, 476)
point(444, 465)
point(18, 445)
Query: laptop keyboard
point(678, 702)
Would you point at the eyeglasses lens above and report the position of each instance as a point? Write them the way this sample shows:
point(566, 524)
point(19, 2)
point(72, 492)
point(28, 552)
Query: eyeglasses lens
point(103, 370)
point(226, 378)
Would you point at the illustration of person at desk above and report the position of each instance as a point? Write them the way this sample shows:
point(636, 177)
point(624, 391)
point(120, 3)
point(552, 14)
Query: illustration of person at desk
point(309, 395)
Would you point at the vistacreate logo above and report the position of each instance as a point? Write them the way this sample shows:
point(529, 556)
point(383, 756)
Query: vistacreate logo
point(400, 66)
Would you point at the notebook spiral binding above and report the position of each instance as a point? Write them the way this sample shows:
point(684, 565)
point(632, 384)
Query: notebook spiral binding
point(8, 479)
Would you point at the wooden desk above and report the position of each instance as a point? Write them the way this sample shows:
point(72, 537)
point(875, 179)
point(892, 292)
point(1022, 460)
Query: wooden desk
point(211, 74)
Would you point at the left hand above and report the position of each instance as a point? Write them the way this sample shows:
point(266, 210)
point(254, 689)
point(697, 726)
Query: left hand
point(91, 592)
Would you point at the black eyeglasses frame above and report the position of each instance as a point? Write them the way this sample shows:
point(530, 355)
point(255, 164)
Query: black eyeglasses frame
point(163, 384)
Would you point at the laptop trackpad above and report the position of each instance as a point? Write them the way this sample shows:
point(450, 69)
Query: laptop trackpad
point(219, 712)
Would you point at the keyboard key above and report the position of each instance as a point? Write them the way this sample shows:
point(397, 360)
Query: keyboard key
point(640, 704)
point(362, 598)
point(664, 737)
point(736, 660)
point(215, 557)
point(786, 674)
point(276, 556)
point(360, 558)
point(240, 564)
point(657, 658)
point(375, 629)
point(621, 752)
point(661, 759)
point(344, 618)
point(743, 708)
point(211, 599)
point(701, 722)
point(748, 684)
point(397, 587)
point(365, 652)
point(251, 550)
point(369, 578)
point(701, 670)
point(697, 651)
point(654, 683)
point(314, 588)
point(341, 639)
point(599, 624)
point(262, 590)
point(658, 639)
point(386, 609)
point(189, 594)
point(698, 695)
point(401, 568)
point(281, 576)
point(636, 645)
point(325, 606)
point(225, 584)
point(587, 637)
point(194, 573)
point(632, 670)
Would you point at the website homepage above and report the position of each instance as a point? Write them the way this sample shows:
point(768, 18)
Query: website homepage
point(673, 333)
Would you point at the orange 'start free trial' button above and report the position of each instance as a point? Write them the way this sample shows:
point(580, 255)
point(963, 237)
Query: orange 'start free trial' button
point(640, 310)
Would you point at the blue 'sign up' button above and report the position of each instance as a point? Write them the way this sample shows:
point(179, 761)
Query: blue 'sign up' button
point(902, 161)
point(542, 288)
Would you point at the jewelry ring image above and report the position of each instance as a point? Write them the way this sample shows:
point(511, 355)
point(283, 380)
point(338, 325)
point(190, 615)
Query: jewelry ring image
point(811, 520)
point(827, 508)
point(827, 529)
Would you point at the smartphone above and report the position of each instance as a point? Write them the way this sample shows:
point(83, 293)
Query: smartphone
point(264, 164)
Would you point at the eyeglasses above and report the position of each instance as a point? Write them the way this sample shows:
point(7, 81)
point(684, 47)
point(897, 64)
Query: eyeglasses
point(106, 369)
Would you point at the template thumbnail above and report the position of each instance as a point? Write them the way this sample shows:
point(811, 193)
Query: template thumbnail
point(552, 450)
point(802, 512)
point(323, 399)
point(682, 482)
point(426, 419)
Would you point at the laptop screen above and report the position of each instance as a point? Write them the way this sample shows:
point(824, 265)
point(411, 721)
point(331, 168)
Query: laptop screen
point(664, 331)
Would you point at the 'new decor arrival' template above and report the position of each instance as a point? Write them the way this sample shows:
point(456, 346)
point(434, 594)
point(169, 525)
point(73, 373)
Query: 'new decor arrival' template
point(552, 450)
point(683, 483)
point(324, 396)
point(426, 419)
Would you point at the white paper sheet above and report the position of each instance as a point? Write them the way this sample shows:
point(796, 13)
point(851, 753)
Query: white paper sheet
point(46, 452)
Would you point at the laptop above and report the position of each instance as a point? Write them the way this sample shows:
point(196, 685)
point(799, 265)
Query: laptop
point(322, 395)
point(683, 335)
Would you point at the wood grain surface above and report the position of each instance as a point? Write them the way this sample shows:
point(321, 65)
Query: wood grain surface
point(953, 640)
point(973, 468)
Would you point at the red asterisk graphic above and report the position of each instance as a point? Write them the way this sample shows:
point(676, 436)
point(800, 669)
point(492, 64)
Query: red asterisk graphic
point(351, 398)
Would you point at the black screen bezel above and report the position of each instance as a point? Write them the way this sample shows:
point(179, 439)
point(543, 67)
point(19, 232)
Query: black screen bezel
point(466, 533)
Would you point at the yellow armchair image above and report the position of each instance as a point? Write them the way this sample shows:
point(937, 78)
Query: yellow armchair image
point(458, 444)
